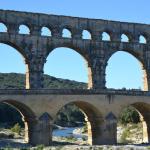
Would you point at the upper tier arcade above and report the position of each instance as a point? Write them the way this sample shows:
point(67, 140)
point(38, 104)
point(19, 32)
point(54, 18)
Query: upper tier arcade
point(35, 47)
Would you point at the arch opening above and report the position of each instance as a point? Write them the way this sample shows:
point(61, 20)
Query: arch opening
point(15, 122)
point(69, 72)
point(142, 39)
point(46, 31)
point(106, 36)
point(12, 71)
point(80, 118)
point(134, 123)
point(125, 72)
point(66, 33)
point(23, 29)
point(124, 38)
point(3, 27)
point(86, 35)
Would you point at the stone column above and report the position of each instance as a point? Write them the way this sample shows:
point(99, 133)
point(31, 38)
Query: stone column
point(56, 32)
point(35, 30)
point(147, 71)
point(104, 132)
point(13, 28)
point(148, 80)
point(98, 73)
point(145, 134)
point(97, 36)
point(26, 127)
point(76, 34)
point(146, 128)
point(145, 82)
point(26, 132)
point(111, 128)
point(40, 131)
point(116, 37)
point(27, 77)
point(34, 75)
point(34, 79)
point(135, 39)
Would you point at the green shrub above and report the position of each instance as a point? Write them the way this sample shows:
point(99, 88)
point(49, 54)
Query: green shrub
point(84, 138)
point(148, 147)
point(124, 136)
point(40, 147)
point(85, 129)
point(129, 115)
point(71, 138)
point(16, 128)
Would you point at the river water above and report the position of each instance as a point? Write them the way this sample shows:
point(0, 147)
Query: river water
point(66, 132)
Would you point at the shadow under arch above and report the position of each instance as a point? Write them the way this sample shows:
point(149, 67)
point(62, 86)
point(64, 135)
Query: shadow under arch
point(137, 57)
point(93, 118)
point(83, 55)
point(28, 116)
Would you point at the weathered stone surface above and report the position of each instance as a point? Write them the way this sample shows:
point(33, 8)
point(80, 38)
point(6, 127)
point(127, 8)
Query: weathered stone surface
point(35, 48)
point(101, 106)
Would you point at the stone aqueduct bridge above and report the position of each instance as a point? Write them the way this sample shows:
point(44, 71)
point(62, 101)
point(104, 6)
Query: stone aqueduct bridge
point(39, 106)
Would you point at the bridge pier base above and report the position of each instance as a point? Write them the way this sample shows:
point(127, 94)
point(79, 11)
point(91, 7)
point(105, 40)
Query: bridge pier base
point(145, 132)
point(102, 131)
point(104, 135)
point(40, 133)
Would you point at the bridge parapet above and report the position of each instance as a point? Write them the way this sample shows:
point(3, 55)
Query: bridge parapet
point(133, 92)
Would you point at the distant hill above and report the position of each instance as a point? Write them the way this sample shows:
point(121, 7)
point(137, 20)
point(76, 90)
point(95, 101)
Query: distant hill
point(17, 81)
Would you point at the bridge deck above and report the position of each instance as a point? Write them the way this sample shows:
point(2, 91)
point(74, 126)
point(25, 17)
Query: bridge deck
point(133, 92)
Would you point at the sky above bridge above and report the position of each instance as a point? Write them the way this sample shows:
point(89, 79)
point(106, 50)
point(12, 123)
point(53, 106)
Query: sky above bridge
point(123, 69)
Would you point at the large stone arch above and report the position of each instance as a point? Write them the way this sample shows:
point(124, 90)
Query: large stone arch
point(17, 48)
point(28, 117)
point(144, 112)
point(94, 119)
point(81, 53)
point(24, 55)
point(77, 48)
point(143, 108)
point(136, 56)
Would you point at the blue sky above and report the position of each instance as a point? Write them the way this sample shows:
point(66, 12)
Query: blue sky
point(123, 69)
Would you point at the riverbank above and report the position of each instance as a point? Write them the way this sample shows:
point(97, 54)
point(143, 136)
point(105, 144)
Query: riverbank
point(18, 144)
point(83, 147)
point(74, 139)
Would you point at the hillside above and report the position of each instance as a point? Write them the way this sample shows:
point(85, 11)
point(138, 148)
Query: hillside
point(17, 81)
